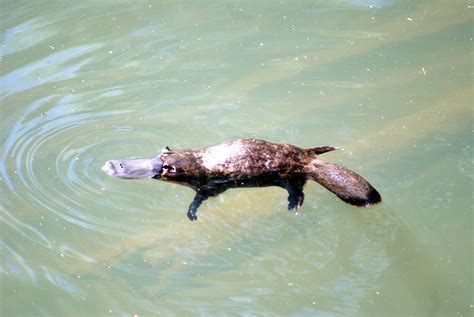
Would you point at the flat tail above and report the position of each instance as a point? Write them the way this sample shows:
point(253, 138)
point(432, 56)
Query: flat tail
point(322, 149)
point(345, 183)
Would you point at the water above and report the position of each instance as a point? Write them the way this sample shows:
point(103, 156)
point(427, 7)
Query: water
point(388, 81)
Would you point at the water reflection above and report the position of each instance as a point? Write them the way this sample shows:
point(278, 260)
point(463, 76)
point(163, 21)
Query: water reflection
point(23, 36)
point(57, 280)
point(369, 4)
point(46, 70)
point(15, 264)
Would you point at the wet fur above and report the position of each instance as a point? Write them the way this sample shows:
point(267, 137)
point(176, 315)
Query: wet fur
point(258, 163)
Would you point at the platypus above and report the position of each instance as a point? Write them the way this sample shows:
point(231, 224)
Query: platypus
point(248, 163)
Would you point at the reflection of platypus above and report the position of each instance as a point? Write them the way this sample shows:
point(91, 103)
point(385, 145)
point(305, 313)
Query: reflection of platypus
point(248, 163)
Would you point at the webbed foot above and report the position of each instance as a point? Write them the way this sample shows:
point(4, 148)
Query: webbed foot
point(295, 202)
point(197, 201)
point(295, 196)
point(192, 215)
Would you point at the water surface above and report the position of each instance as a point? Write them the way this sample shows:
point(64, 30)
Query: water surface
point(389, 81)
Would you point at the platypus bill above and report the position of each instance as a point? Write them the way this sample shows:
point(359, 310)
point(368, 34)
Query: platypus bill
point(248, 163)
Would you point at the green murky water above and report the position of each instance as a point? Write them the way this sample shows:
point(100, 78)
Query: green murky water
point(82, 82)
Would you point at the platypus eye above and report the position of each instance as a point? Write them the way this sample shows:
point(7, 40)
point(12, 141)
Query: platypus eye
point(169, 168)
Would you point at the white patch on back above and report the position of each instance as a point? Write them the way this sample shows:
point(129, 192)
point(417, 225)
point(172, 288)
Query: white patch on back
point(217, 156)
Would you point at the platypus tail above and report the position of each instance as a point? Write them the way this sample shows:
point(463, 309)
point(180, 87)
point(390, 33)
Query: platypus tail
point(346, 184)
point(321, 149)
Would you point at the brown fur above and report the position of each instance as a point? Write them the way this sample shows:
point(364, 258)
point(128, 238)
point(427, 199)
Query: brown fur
point(258, 163)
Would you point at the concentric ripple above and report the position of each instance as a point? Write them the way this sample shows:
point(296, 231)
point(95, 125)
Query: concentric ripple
point(53, 161)
point(54, 192)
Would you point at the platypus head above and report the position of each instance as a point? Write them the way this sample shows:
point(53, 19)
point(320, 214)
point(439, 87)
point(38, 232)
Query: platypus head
point(133, 169)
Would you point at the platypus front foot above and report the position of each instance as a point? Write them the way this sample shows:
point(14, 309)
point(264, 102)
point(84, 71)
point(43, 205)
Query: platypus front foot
point(192, 215)
point(197, 201)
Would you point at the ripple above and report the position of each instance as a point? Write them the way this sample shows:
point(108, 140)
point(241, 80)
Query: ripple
point(54, 65)
point(50, 161)
point(15, 264)
point(26, 230)
point(23, 36)
point(58, 280)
